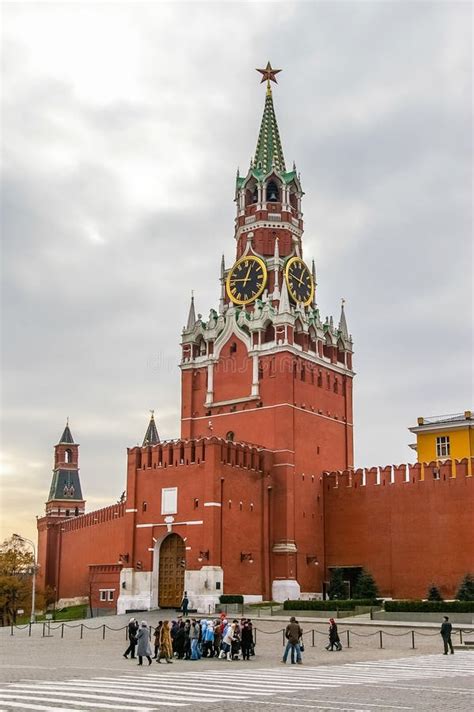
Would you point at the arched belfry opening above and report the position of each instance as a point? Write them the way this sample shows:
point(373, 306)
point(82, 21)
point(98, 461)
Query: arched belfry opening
point(273, 193)
point(171, 568)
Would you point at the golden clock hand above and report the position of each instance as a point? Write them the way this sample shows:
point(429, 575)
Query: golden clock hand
point(298, 280)
point(247, 276)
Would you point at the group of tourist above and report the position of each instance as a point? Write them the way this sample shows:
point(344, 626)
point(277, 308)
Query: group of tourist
point(191, 639)
point(195, 639)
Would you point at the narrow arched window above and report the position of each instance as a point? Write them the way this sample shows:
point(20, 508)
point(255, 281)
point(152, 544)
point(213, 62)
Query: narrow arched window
point(230, 435)
point(68, 455)
point(272, 192)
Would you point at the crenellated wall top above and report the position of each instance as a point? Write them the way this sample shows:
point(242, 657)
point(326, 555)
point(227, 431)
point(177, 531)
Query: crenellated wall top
point(400, 474)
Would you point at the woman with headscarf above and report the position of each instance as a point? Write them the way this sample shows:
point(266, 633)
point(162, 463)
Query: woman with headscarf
point(144, 647)
point(334, 641)
point(166, 646)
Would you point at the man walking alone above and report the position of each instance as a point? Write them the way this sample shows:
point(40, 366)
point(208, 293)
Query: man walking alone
point(293, 634)
point(446, 629)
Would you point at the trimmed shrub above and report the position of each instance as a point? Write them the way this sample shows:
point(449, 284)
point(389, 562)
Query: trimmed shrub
point(434, 593)
point(228, 598)
point(466, 589)
point(429, 606)
point(365, 586)
point(341, 605)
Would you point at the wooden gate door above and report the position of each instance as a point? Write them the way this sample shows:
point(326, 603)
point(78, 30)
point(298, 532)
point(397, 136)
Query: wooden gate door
point(171, 572)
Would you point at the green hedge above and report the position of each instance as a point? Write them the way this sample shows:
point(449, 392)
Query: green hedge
point(231, 599)
point(334, 605)
point(429, 606)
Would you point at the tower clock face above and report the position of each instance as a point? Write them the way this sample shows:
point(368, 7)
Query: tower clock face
point(246, 280)
point(299, 281)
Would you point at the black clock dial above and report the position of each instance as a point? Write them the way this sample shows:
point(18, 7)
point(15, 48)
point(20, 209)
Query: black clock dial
point(299, 281)
point(246, 280)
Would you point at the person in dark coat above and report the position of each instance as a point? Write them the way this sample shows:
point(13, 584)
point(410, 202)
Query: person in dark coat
point(144, 647)
point(179, 641)
point(132, 638)
point(187, 640)
point(446, 630)
point(334, 641)
point(185, 604)
point(246, 639)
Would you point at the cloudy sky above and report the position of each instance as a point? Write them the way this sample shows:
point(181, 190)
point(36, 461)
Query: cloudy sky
point(123, 126)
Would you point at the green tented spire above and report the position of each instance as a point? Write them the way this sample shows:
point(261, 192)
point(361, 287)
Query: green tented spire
point(269, 152)
point(151, 435)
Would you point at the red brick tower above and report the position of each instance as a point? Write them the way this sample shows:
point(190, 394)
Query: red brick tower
point(265, 369)
point(65, 501)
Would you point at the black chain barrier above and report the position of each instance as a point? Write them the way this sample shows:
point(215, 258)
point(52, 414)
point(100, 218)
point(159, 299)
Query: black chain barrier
point(47, 627)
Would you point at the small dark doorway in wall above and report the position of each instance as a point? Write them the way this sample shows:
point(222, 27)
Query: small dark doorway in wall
point(350, 575)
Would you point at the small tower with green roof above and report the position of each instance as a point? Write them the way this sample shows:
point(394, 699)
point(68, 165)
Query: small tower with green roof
point(65, 495)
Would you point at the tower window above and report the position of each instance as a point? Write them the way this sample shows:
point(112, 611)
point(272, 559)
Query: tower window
point(144, 506)
point(443, 448)
point(272, 192)
point(68, 456)
point(230, 435)
point(233, 347)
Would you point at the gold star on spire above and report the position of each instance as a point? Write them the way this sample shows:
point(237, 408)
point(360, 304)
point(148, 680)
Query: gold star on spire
point(268, 74)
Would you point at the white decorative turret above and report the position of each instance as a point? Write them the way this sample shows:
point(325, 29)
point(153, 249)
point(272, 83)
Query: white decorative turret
point(284, 306)
point(313, 273)
point(343, 323)
point(191, 316)
point(222, 297)
point(276, 268)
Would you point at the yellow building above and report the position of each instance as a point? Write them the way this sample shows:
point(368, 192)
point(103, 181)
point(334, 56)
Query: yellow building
point(444, 437)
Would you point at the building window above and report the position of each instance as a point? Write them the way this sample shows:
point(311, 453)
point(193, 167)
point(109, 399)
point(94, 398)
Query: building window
point(169, 500)
point(144, 506)
point(68, 456)
point(442, 446)
point(106, 594)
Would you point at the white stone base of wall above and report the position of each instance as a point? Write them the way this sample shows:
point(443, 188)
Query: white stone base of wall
point(252, 599)
point(68, 602)
point(204, 587)
point(309, 596)
point(136, 594)
point(284, 589)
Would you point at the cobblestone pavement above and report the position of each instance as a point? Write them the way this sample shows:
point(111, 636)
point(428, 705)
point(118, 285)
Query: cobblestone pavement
point(70, 673)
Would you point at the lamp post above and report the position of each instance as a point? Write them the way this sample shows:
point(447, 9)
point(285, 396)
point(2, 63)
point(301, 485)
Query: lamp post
point(33, 592)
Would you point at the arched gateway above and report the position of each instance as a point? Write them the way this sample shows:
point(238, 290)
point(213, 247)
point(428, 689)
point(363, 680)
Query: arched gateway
point(171, 572)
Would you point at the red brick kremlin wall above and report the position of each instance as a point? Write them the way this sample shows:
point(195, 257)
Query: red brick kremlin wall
point(409, 525)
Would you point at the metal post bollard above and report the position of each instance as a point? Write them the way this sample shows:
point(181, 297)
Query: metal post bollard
point(460, 636)
point(103, 632)
point(29, 631)
point(381, 641)
point(413, 639)
point(62, 630)
point(82, 628)
point(11, 629)
point(43, 629)
point(312, 638)
point(348, 640)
